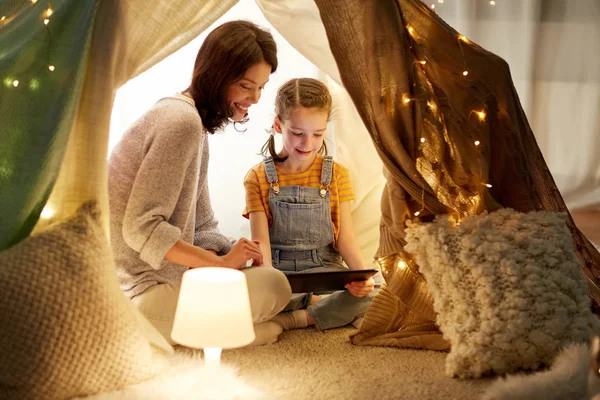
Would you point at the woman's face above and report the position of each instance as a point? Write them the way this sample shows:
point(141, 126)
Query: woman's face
point(246, 91)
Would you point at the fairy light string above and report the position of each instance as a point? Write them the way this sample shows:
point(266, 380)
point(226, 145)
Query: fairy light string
point(46, 11)
point(480, 114)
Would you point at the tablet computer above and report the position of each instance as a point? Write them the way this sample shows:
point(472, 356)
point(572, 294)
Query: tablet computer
point(304, 282)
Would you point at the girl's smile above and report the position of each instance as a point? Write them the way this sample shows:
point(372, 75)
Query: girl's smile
point(304, 152)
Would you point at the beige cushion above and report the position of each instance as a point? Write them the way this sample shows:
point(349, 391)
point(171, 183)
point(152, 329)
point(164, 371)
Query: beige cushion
point(66, 329)
point(507, 287)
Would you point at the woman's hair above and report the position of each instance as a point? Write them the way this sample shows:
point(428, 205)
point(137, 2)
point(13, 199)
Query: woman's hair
point(224, 57)
point(298, 92)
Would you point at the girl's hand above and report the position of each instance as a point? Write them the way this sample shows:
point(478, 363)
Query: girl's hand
point(361, 288)
point(241, 252)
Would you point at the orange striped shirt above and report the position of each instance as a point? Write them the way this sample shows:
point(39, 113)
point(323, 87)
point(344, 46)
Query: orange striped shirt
point(257, 188)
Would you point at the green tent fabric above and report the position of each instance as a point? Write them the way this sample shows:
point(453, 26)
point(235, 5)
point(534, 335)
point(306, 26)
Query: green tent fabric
point(43, 57)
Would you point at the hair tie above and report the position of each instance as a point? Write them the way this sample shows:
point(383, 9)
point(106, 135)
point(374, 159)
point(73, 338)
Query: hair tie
point(270, 131)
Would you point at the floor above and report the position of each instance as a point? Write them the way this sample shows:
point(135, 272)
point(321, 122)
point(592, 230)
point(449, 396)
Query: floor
point(306, 364)
point(588, 221)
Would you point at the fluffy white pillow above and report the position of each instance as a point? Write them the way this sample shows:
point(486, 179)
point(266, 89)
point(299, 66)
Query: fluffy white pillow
point(507, 287)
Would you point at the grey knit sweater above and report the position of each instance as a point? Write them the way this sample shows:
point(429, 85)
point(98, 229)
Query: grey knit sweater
point(158, 193)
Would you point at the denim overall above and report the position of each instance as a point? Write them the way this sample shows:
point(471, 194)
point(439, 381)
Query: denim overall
point(301, 237)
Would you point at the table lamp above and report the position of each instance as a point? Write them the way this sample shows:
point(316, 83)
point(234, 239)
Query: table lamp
point(213, 312)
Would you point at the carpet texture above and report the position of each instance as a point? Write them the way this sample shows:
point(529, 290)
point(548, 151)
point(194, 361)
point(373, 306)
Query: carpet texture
point(308, 364)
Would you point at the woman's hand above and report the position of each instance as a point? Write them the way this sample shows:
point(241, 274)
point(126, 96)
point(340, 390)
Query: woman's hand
point(361, 288)
point(241, 252)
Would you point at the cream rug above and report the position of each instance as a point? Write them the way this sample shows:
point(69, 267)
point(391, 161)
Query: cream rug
point(307, 364)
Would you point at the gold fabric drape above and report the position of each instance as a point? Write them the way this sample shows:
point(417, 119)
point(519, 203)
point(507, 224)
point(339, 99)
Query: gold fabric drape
point(446, 121)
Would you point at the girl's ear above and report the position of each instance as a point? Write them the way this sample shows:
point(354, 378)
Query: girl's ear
point(277, 124)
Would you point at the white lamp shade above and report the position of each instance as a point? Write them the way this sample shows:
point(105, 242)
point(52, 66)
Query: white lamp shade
point(213, 309)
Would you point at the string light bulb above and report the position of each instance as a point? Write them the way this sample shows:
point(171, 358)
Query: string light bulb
point(406, 99)
point(423, 62)
point(492, 2)
point(411, 30)
point(51, 68)
point(422, 140)
point(465, 73)
point(47, 212)
point(477, 143)
point(15, 83)
point(463, 38)
point(3, 18)
point(433, 7)
point(33, 1)
point(417, 213)
point(481, 115)
point(402, 264)
point(49, 12)
point(487, 185)
point(46, 21)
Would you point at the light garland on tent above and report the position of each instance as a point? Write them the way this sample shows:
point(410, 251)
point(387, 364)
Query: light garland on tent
point(406, 99)
point(14, 82)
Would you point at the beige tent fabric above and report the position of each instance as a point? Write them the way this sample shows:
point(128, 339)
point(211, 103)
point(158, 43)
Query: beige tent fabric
point(129, 37)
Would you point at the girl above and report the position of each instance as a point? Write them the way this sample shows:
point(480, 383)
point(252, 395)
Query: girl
point(162, 222)
point(297, 201)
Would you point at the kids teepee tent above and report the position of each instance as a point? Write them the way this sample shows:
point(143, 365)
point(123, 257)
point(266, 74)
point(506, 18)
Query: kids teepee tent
point(425, 94)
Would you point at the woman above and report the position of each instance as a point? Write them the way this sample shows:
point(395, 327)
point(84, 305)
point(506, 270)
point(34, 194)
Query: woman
point(162, 221)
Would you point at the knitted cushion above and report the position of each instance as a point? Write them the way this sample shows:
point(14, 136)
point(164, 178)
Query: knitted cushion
point(66, 329)
point(507, 287)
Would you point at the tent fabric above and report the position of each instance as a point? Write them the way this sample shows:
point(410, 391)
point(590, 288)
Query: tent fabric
point(445, 119)
point(42, 70)
point(129, 36)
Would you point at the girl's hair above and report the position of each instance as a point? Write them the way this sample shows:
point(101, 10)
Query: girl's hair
point(298, 92)
point(224, 57)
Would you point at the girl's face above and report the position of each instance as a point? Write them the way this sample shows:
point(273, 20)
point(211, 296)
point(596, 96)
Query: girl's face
point(246, 91)
point(303, 135)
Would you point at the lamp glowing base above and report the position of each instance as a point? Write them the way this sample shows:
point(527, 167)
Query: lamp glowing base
point(212, 356)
